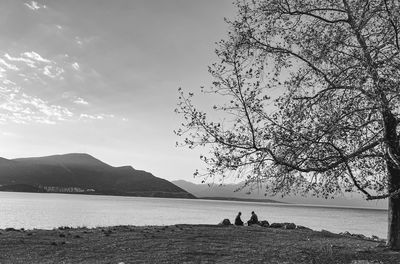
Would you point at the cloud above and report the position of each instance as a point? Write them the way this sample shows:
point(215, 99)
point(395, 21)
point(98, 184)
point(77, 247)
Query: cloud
point(78, 41)
point(38, 65)
point(76, 66)
point(81, 101)
point(19, 105)
point(33, 5)
point(95, 117)
point(21, 108)
point(6, 82)
point(46, 121)
point(87, 116)
point(36, 104)
point(8, 65)
point(81, 41)
point(28, 96)
point(53, 72)
point(74, 99)
point(28, 62)
point(35, 56)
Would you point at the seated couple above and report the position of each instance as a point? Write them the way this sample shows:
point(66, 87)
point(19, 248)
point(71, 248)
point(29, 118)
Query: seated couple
point(253, 219)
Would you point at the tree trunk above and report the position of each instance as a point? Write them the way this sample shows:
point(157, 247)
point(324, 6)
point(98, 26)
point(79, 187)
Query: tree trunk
point(393, 238)
point(392, 160)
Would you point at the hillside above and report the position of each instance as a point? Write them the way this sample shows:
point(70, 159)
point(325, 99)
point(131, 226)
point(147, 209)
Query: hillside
point(234, 191)
point(82, 173)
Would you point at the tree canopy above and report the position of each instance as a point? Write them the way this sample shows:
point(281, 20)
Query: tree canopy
point(312, 99)
point(331, 69)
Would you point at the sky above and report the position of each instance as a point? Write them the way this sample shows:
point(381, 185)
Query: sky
point(101, 77)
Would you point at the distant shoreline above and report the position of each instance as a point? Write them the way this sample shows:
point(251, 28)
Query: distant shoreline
point(174, 196)
point(156, 194)
point(288, 204)
point(241, 200)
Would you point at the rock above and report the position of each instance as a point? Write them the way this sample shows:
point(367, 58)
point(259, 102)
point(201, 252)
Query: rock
point(346, 233)
point(327, 233)
point(225, 222)
point(8, 229)
point(375, 238)
point(302, 227)
point(264, 223)
point(289, 226)
point(276, 225)
point(360, 236)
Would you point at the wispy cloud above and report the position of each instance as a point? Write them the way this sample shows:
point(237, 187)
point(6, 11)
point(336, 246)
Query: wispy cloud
point(18, 107)
point(28, 83)
point(38, 64)
point(35, 56)
point(80, 101)
point(8, 65)
point(7, 82)
point(95, 117)
point(70, 96)
point(78, 41)
point(28, 62)
point(53, 72)
point(82, 41)
point(76, 66)
point(33, 5)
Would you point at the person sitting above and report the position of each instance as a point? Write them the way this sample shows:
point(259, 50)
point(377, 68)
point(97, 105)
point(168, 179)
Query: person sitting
point(253, 219)
point(238, 221)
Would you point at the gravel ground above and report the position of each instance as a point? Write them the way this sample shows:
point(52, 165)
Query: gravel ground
point(188, 244)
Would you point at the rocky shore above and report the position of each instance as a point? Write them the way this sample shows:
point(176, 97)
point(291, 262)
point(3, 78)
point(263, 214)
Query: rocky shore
point(189, 244)
point(291, 226)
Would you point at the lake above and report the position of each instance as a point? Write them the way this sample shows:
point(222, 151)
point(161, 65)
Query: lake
point(47, 211)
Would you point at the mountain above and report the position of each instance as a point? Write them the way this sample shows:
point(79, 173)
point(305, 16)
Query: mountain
point(82, 173)
point(217, 190)
point(235, 191)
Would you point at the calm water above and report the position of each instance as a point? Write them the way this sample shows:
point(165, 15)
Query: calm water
point(47, 211)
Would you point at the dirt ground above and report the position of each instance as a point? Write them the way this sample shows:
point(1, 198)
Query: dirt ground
point(188, 244)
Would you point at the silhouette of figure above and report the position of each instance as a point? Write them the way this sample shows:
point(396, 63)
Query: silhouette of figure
point(253, 219)
point(238, 221)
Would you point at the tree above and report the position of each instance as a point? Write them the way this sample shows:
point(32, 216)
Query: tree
point(311, 93)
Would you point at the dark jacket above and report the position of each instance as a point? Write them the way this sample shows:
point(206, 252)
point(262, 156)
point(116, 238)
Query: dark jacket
point(238, 221)
point(254, 218)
